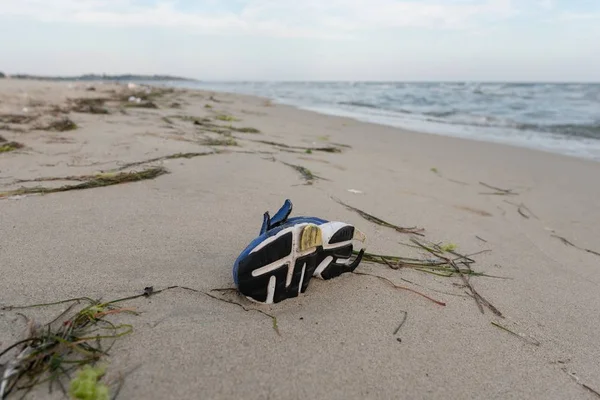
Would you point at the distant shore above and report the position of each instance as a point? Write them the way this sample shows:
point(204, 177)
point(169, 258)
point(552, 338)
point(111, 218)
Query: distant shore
point(98, 77)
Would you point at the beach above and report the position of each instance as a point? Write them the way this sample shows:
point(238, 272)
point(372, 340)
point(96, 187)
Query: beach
point(217, 162)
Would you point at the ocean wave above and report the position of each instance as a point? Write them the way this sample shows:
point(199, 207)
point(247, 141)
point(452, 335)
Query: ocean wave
point(357, 104)
point(384, 108)
point(588, 131)
point(456, 117)
point(582, 131)
point(441, 114)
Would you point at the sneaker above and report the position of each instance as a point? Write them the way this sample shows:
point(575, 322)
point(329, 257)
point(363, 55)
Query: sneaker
point(280, 262)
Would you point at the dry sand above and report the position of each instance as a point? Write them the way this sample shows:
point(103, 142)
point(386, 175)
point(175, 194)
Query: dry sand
point(337, 342)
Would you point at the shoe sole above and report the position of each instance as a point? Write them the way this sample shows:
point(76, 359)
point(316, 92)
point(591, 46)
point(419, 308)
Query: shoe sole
point(281, 266)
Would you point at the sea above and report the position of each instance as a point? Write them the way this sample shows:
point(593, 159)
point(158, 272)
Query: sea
point(562, 118)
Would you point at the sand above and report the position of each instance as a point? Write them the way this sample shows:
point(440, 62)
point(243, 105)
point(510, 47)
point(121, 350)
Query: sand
point(337, 340)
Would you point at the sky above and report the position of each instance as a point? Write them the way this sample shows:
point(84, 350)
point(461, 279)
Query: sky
point(380, 40)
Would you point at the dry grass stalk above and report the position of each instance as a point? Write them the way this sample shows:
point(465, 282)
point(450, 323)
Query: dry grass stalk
point(525, 338)
point(16, 118)
point(578, 381)
point(568, 243)
point(239, 304)
point(404, 317)
point(225, 117)
point(244, 129)
point(89, 105)
point(435, 266)
point(228, 141)
point(169, 157)
point(6, 127)
point(9, 146)
point(498, 191)
point(326, 149)
point(379, 221)
point(89, 181)
point(207, 124)
point(522, 209)
point(142, 104)
point(445, 263)
point(306, 173)
point(439, 252)
point(440, 303)
point(60, 125)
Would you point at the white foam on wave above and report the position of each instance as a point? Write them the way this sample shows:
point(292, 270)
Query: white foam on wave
point(577, 147)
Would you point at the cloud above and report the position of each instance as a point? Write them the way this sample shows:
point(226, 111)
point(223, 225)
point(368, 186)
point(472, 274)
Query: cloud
point(573, 16)
point(546, 4)
point(296, 18)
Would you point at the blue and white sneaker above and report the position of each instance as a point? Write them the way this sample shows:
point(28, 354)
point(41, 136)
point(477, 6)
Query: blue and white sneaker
point(280, 262)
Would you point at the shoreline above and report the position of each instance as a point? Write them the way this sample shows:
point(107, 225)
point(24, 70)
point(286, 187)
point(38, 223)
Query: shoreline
point(404, 131)
point(467, 132)
point(212, 164)
point(418, 132)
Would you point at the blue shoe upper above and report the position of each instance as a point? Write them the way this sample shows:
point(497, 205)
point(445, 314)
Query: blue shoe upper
point(280, 216)
point(272, 226)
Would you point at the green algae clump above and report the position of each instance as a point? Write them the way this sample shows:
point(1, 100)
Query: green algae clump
point(85, 385)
